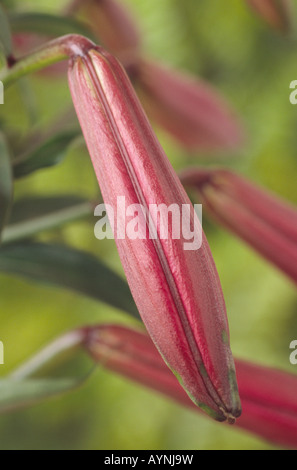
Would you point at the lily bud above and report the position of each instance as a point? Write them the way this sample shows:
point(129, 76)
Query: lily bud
point(269, 401)
point(264, 221)
point(275, 12)
point(177, 291)
point(190, 110)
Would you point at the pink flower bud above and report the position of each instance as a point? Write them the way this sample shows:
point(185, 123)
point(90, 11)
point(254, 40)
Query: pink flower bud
point(111, 23)
point(190, 110)
point(269, 400)
point(177, 290)
point(260, 218)
point(275, 12)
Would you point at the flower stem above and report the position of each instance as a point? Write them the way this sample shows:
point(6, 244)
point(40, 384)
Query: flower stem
point(54, 51)
point(28, 228)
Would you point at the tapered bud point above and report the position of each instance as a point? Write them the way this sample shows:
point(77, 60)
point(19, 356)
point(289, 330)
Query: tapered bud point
point(175, 286)
point(190, 110)
point(131, 353)
point(277, 13)
point(265, 221)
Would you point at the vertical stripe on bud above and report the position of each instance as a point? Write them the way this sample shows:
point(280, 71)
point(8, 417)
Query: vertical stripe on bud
point(177, 292)
point(269, 400)
point(260, 218)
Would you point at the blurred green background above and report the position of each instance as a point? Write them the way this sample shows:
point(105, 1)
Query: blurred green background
point(252, 65)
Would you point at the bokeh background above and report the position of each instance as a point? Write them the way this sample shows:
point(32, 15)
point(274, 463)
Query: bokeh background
point(252, 66)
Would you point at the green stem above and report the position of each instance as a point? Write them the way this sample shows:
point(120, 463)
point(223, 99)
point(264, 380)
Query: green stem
point(65, 47)
point(71, 340)
point(21, 230)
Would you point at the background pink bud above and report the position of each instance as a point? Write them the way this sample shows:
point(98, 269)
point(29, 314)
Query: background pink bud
point(112, 23)
point(269, 403)
point(26, 42)
point(274, 12)
point(269, 399)
point(263, 220)
point(177, 291)
point(191, 110)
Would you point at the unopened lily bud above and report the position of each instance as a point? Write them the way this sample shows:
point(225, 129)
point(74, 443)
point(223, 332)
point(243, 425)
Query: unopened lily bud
point(112, 24)
point(177, 290)
point(263, 220)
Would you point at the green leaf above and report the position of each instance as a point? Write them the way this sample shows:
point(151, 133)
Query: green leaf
point(28, 96)
point(30, 216)
point(48, 154)
point(6, 182)
point(47, 24)
point(30, 208)
point(16, 394)
point(5, 35)
point(68, 268)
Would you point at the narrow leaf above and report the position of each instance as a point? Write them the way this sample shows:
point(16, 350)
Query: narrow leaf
point(68, 268)
point(48, 154)
point(189, 109)
point(6, 183)
point(16, 394)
